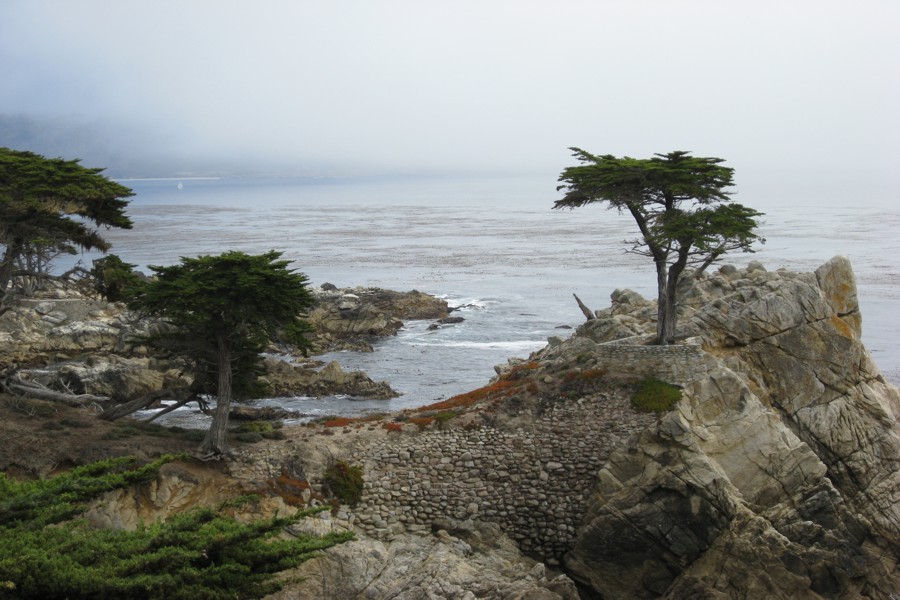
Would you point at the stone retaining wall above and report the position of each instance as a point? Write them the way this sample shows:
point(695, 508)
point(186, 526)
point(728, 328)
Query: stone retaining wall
point(534, 482)
point(677, 364)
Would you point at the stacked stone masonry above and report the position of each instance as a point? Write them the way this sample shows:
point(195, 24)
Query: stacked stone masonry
point(533, 482)
point(677, 364)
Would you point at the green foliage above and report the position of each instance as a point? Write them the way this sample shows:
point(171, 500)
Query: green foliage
point(256, 431)
point(115, 279)
point(203, 553)
point(233, 302)
point(44, 502)
point(345, 482)
point(681, 206)
point(223, 311)
point(52, 206)
point(653, 395)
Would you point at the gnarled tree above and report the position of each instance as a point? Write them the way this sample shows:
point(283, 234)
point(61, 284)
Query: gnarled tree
point(52, 206)
point(681, 206)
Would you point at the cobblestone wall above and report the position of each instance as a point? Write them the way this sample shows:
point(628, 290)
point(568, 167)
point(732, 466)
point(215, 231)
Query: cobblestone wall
point(533, 481)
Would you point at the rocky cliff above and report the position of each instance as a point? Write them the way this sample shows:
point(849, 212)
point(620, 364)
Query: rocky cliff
point(777, 475)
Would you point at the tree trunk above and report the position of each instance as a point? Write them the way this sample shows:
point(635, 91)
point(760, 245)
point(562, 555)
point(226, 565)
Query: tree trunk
point(671, 309)
point(215, 444)
point(36, 390)
point(7, 266)
point(662, 304)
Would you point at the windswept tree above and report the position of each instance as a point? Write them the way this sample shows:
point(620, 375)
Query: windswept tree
point(223, 311)
point(681, 206)
point(52, 206)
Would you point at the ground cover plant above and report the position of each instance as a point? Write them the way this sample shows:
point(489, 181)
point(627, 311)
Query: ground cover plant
point(203, 553)
point(653, 395)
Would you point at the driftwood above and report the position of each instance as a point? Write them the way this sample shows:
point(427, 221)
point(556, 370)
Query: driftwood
point(588, 313)
point(32, 389)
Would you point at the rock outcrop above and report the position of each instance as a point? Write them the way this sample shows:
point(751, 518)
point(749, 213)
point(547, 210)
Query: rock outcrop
point(71, 341)
point(284, 379)
point(353, 318)
point(777, 475)
point(469, 561)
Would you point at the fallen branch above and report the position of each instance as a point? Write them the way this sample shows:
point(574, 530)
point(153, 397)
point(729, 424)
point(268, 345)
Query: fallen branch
point(123, 410)
point(178, 404)
point(588, 313)
point(33, 389)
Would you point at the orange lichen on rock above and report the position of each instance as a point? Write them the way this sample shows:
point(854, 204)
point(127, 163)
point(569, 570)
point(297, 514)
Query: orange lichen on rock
point(842, 326)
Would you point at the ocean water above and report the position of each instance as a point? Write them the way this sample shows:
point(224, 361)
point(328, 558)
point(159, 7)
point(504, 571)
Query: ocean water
point(494, 248)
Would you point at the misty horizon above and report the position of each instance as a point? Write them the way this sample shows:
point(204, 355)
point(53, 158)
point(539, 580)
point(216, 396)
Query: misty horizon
point(778, 90)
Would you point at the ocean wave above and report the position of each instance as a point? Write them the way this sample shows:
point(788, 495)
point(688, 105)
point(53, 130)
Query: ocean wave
point(498, 345)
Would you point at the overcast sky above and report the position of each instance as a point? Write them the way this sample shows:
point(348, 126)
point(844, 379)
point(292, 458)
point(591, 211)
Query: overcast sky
point(423, 86)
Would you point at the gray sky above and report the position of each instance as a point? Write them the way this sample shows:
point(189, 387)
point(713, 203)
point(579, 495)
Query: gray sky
point(424, 86)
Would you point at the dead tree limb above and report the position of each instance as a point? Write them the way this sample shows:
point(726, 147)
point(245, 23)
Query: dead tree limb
point(588, 313)
point(33, 389)
point(125, 409)
point(169, 409)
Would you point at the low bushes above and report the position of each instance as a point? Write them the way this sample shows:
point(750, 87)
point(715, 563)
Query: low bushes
point(345, 482)
point(654, 395)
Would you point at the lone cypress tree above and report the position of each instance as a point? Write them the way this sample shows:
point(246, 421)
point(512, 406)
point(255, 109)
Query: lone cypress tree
point(681, 206)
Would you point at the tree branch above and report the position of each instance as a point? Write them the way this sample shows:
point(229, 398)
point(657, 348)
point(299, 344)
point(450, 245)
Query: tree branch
point(35, 390)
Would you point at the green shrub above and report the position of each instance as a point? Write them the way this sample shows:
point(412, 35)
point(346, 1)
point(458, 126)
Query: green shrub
point(345, 482)
point(251, 437)
point(442, 418)
point(203, 553)
point(258, 427)
point(654, 395)
point(115, 279)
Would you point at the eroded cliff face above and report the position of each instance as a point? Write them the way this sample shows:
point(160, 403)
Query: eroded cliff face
point(777, 475)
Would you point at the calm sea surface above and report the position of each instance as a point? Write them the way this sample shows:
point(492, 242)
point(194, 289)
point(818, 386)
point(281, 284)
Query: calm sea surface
point(493, 246)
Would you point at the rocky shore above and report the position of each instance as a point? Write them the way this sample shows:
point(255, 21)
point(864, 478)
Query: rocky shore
point(776, 475)
point(69, 340)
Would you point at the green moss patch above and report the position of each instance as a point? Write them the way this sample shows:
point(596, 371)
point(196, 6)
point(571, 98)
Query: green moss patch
point(654, 395)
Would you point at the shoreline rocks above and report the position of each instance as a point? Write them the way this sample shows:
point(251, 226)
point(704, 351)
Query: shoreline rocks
point(69, 340)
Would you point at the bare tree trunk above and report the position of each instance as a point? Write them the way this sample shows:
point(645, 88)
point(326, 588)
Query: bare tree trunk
point(662, 304)
point(588, 313)
point(7, 266)
point(215, 443)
